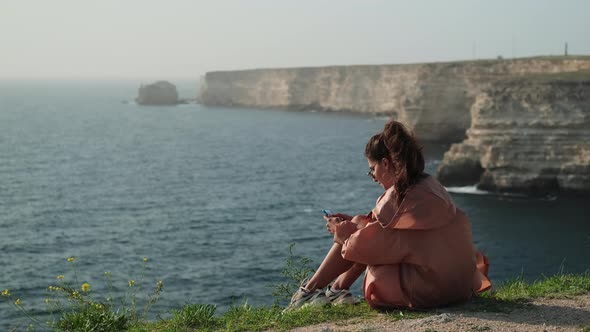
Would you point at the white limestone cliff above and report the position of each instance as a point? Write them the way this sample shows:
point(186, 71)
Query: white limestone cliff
point(528, 135)
point(434, 99)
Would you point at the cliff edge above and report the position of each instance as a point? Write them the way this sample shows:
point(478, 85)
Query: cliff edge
point(434, 98)
point(528, 135)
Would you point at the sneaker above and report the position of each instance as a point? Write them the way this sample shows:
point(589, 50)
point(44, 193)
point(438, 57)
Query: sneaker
point(339, 296)
point(304, 297)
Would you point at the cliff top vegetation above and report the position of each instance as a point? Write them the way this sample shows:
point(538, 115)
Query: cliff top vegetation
point(483, 62)
point(561, 301)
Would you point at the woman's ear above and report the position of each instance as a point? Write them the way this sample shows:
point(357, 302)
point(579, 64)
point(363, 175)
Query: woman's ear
point(386, 163)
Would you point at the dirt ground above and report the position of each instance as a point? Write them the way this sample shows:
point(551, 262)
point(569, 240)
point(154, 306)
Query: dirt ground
point(571, 314)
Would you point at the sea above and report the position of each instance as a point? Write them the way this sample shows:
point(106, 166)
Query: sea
point(211, 200)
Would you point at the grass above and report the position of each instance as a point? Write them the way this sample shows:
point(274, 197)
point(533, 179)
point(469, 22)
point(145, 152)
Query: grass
point(74, 306)
point(562, 285)
point(85, 313)
point(247, 318)
point(509, 295)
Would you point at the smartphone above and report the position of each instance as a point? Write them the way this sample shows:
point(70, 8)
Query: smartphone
point(327, 212)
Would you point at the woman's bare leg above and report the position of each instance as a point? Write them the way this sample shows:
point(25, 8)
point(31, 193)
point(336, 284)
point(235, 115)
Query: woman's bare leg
point(332, 267)
point(346, 279)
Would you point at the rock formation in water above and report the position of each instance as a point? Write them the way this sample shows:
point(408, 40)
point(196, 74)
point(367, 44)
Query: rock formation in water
point(434, 99)
point(159, 93)
point(528, 135)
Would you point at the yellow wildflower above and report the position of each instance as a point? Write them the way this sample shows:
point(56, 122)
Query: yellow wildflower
point(47, 301)
point(60, 276)
point(145, 259)
point(5, 293)
point(131, 283)
point(76, 295)
point(86, 287)
point(71, 259)
point(17, 302)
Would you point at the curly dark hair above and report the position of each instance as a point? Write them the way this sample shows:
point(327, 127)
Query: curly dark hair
point(401, 147)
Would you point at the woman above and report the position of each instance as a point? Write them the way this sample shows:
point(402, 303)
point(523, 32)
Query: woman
point(415, 245)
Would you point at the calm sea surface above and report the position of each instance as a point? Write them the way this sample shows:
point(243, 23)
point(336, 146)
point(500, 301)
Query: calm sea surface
point(211, 196)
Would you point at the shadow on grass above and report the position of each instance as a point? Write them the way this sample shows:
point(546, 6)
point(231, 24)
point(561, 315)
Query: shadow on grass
point(492, 304)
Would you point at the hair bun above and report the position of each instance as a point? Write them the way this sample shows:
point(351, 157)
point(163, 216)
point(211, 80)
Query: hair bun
point(393, 133)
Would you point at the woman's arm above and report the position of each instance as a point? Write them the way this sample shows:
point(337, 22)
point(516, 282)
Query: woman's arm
point(374, 245)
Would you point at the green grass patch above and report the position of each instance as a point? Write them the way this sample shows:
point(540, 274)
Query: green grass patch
point(508, 296)
point(488, 303)
point(516, 293)
point(248, 318)
point(563, 285)
point(86, 311)
point(92, 318)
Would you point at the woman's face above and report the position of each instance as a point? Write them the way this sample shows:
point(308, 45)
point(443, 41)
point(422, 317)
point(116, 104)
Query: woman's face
point(381, 173)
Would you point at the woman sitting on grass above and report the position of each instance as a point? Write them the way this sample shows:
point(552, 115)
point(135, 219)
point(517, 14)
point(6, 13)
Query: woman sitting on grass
point(415, 245)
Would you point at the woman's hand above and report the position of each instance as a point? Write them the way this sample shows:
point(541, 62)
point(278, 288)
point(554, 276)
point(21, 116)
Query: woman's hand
point(342, 216)
point(343, 230)
point(331, 222)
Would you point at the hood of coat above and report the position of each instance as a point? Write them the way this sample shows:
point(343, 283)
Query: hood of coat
point(427, 205)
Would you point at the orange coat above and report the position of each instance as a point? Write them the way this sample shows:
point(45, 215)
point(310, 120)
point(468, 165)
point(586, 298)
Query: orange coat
point(420, 254)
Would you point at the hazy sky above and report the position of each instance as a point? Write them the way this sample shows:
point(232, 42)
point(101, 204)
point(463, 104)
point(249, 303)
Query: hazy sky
point(186, 38)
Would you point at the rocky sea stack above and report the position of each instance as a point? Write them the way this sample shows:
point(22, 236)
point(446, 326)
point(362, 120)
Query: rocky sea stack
point(529, 135)
point(159, 93)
